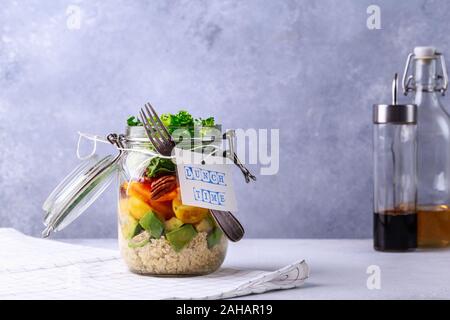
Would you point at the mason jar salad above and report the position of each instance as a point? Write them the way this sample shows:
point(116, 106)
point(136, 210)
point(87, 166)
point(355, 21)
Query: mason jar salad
point(158, 234)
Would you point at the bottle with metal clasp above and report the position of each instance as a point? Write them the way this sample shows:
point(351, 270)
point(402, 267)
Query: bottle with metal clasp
point(423, 77)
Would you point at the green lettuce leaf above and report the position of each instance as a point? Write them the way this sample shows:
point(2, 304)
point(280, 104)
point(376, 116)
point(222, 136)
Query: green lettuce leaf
point(160, 166)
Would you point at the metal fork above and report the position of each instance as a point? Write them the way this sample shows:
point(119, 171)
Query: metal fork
point(163, 142)
point(156, 131)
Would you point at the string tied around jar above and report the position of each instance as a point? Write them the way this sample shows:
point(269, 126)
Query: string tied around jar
point(117, 142)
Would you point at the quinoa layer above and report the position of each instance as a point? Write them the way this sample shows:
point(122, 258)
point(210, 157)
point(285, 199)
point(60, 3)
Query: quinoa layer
point(159, 258)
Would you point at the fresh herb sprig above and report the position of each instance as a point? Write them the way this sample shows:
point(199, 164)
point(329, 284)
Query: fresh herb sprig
point(182, 119)
point(133, 122)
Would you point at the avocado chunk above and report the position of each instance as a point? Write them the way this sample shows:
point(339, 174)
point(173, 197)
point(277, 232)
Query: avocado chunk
point(132, 244)
point(131, 229)
point(214, 237)
point(205, 225)
point(172, 224)
point(152, 224)
point(139, 241)
point(180, 237)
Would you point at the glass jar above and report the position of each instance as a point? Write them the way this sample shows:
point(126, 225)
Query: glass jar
point(158, 234)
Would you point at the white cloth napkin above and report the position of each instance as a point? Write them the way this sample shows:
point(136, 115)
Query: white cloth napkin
point(32, 268)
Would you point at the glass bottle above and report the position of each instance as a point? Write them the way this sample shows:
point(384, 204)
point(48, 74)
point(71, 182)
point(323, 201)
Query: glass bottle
point(395, 175)
point(433, 207)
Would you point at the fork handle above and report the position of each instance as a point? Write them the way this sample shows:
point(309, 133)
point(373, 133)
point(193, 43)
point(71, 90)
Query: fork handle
point(230, 226)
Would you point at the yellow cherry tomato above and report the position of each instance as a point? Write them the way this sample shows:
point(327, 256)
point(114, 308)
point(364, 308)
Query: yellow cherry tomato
point(188, 214)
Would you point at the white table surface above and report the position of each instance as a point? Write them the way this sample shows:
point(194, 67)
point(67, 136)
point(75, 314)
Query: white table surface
point(338, 268)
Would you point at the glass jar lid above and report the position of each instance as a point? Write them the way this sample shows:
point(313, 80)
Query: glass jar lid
point(79, 189)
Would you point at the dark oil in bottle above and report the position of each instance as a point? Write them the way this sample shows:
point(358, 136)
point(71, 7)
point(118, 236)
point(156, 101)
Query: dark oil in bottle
point(395, 230)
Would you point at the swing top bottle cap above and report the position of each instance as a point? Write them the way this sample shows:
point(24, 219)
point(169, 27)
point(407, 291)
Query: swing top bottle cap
point(424, 52)
point(395, 113)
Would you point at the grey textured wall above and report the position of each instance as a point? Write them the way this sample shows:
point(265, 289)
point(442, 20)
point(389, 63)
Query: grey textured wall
point(311, 68)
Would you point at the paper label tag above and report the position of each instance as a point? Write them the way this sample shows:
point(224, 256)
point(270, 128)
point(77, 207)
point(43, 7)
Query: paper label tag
point(207, 185)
